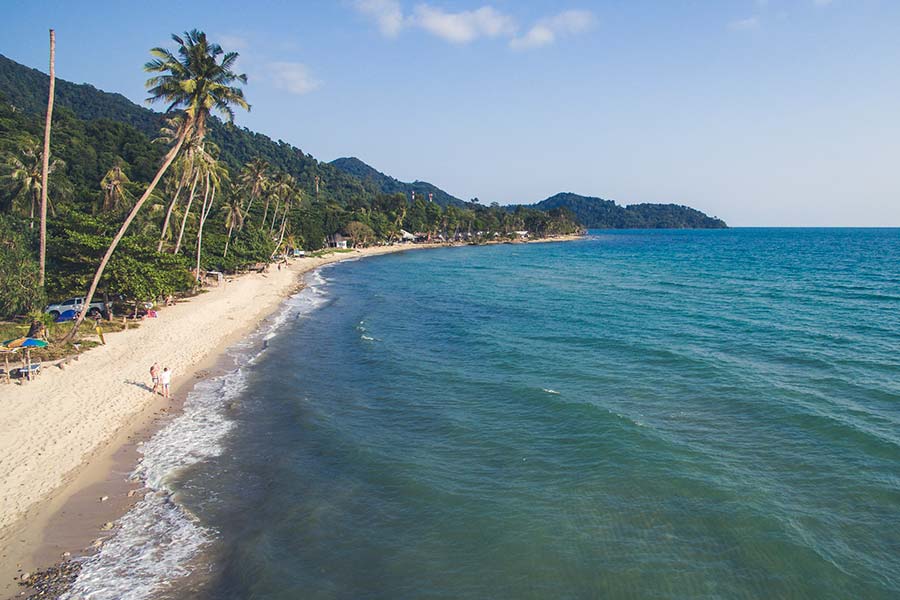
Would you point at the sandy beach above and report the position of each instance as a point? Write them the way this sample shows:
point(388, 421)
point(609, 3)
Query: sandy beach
point(68, 438)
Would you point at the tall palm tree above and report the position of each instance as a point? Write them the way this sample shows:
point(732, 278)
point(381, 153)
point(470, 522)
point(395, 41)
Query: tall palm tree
point(45, 171)
point(216, 176)
point(114, 191)
point(254, 177)
point(200, 79)
point(201, 162)
point(181, 166)
point(282, 189)
point(234, 217)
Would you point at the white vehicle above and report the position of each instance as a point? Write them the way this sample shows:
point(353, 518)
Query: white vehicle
point(76, 304)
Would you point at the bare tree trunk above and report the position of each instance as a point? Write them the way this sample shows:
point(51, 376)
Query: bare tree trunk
point(265, 212)
point(274, 215)
point(228, 241)
point(283, 223)
point(165, 227)
point(45, 174)
point(34, 201)
point(204, 212)
point(187, 211)
point(170, 156)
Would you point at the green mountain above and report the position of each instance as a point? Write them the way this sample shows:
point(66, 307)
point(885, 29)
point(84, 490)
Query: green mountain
point(597, 213)
point(387, 184)
point(26, 90)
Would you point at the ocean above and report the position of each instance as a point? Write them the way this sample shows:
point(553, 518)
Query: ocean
point(639, 414)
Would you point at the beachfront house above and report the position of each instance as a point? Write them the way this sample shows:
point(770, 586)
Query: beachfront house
point(338, 241)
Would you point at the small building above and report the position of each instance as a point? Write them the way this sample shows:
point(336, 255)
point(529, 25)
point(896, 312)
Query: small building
point(406, 236)
point(338, 241)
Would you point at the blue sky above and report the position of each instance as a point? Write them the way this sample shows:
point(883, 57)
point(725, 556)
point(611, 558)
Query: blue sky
point(778, 112)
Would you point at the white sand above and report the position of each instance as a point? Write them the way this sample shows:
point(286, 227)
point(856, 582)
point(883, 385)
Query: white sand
point(50, 427)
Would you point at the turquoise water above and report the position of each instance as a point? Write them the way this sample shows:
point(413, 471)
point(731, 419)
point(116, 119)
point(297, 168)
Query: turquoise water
point(643, 414)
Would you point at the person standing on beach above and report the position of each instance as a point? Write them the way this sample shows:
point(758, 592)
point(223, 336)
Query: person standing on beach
point(165, 378)
point(154, 376)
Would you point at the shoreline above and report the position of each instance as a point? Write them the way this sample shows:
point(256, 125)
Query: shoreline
point(67, 521)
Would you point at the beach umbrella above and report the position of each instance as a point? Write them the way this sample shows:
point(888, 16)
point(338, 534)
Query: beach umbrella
point(25, 342)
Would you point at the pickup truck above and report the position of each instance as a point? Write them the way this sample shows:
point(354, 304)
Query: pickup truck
point(77, 305)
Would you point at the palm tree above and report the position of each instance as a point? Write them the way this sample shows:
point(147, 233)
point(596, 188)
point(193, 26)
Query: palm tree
point(197, 81)
point(234, 217)
point(25, 175)
point(216, 175)
point(114, 191)
point(45, 170)
point(281, 189)
point(200, 164)
point(255, 178)
point(181, 167)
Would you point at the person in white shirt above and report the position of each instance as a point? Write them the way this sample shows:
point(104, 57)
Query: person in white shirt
point(165, 378)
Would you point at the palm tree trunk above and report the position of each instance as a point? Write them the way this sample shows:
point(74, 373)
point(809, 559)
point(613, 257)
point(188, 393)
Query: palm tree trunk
point(34, 201)
point(228, 241)
point(204, 211)
point(187, 211)
point(274, 216)
point(170, 156)
point(265, 212)
point(281, 237)
point(45, 174)
point(165, 227)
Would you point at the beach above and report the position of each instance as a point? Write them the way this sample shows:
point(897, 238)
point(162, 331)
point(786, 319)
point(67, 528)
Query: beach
point(68, 439)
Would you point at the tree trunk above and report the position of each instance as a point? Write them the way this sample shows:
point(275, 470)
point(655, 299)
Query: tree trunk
point(265, 212)
point(228, 241)
point(204, 212)
point(172, 204)
point(170, 156)
point(274, 216)
point(45, 174)
point(281, 237)
point(187, 211)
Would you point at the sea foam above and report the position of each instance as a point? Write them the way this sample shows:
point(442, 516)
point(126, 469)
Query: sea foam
point(157, 541)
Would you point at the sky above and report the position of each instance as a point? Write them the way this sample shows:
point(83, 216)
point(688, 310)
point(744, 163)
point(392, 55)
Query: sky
point(760, 112)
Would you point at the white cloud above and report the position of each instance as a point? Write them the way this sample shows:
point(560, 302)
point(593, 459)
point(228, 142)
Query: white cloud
point(745, 24)
point(386, 13)
point(545, 31)
point(293, 77)
point(465, 26)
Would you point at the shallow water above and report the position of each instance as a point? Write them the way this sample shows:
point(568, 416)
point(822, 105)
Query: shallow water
point(654, 414)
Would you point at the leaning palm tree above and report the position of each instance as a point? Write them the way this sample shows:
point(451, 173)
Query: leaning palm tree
point(115, 192)
point(198, 80)
point(254, 178)
point(216, 176)
point(200, 163)
point(182, 175)
point(234, 217)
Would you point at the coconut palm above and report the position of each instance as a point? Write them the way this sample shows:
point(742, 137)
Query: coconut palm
point(234, 217)
point(202, 161)
point(182, 175)
point(282, 188)
point(200, 79)
point(216, 176)
point(254, 178)
point(24, 176)
point(115, 194)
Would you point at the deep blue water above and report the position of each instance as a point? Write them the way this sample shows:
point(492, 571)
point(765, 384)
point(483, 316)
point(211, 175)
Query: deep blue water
point(641, 414)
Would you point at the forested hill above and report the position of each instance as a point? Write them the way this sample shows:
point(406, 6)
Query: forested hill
point(389, 185)
point(26, 89)
point(597, 213)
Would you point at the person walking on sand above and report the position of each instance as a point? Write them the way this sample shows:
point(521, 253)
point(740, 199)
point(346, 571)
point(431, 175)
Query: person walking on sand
point(154, 376)
point(165, 378)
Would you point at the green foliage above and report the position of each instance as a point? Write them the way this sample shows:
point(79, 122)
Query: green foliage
point(19, 268)
point(605, 214)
